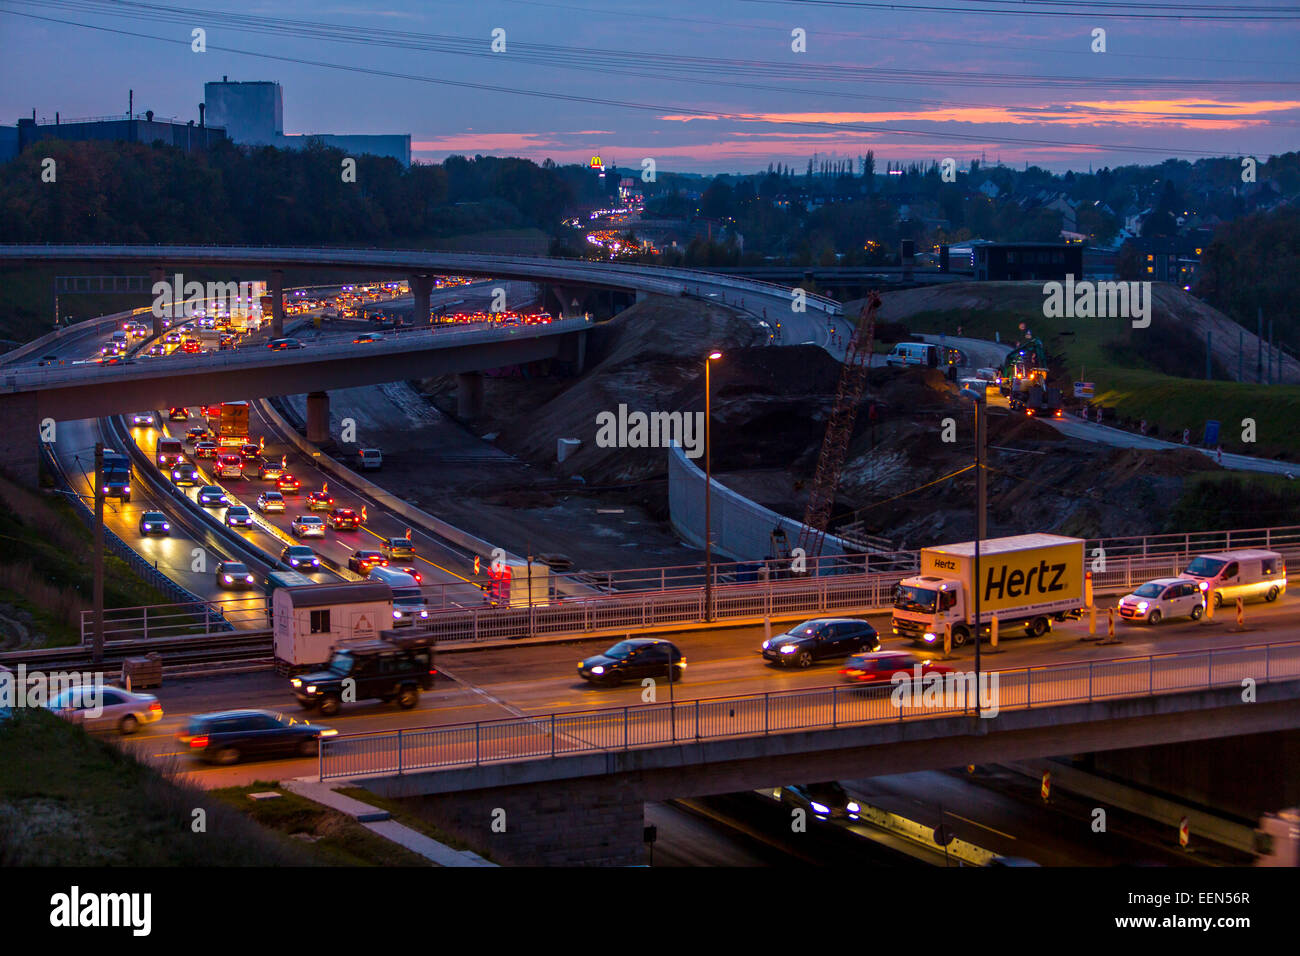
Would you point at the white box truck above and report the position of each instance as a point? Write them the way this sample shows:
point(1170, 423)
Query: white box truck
point(1027, 581)
point(309, 621)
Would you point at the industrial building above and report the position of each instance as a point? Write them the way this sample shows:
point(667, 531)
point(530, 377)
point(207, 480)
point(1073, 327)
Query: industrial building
point(130, 128)
point(252, 113)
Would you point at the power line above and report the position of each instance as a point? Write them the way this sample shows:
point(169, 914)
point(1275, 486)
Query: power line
point(647, 107)
point(604, 60)
point(1026, 8)
point(893, 38)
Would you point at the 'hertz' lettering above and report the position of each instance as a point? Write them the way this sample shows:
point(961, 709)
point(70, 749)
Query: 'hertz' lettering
point(948, 565)
point(1020, 583)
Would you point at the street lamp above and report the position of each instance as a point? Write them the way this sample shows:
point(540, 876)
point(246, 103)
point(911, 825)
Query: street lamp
point(708, 488)
point(977, 396)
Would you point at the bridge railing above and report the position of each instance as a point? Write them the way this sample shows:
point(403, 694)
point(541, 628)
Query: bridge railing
point(186, 619)
point(816, 708)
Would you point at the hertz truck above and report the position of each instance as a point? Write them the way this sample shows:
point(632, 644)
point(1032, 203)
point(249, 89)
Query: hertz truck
point(1026, 581)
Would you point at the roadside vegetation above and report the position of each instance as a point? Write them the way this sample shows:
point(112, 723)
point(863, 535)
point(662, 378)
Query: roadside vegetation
point(68, 798)
point(46, 571)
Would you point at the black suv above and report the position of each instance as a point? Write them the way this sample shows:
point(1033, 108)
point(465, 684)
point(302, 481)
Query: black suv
point(820, 639)
point(387, 670)
point(231, 735)
point(634, 660)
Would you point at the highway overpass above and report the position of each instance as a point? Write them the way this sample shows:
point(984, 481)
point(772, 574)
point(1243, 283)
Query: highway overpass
point(572, 786)
point(567, 277)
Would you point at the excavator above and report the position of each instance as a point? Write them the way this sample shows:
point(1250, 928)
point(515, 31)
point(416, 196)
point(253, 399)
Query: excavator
point(1023, 379)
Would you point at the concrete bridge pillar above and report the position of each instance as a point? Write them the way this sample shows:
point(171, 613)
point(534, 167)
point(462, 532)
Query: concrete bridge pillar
point(469, 395)
point(572, 301)
point(157, 274)
point(20, 439)
point(573, 349)
point(318, 417)
point(421, 289)
point(277, 303)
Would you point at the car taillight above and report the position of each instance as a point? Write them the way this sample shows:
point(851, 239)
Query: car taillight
point(199, 742)
point(155, 707)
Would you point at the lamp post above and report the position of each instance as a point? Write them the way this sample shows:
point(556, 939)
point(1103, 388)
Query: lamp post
point(708, 487)
point(981, 510)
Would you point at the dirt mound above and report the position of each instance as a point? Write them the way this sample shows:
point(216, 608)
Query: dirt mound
point(649, 358)
point(1126, 463)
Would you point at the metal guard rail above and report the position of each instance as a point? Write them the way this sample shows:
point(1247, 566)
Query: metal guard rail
point(761, 715)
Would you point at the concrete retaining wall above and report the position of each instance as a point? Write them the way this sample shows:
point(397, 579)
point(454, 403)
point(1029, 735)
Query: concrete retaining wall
point(741, 528)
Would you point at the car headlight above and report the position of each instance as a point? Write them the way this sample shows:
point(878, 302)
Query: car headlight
point(788, 648)
point(1205, 586)
point(166, 527)
point(227, 578)
point(598, 669)
point(314, 561)
point(424, 614)
point(295, 682)
point(820, 808)
point(766, 645)
point(929, 637)
point(249, 579)
point(397, 614)
point(106, 489)
point(1143, 605)
point(311, 688)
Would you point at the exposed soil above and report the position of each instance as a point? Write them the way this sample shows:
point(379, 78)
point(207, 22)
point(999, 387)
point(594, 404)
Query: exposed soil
point(770, 408)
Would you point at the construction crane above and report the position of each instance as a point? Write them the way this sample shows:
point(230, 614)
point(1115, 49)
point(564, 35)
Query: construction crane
point(839, 429)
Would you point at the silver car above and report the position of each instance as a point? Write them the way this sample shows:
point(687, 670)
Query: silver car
point(105, 708)
point(1162, 598)
point(308, 526)
point(269, 501)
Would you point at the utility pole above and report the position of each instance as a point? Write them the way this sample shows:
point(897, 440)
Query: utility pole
point(981, 529)
point(98, 586)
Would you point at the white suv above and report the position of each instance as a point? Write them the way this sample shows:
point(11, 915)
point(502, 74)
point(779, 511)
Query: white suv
point(1161, 598)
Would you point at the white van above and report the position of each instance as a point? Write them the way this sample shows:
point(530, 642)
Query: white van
point(1239, 574)
point(914, 353)
point(408, 602)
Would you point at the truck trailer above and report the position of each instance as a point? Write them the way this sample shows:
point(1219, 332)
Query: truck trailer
point(310, 621)
point(1028, 581)
point(233, 428)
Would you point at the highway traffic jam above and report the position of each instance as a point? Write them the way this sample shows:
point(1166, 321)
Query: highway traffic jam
point(349, 588)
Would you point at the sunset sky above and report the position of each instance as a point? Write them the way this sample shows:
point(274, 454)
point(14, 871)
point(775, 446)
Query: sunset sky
point(705, 87)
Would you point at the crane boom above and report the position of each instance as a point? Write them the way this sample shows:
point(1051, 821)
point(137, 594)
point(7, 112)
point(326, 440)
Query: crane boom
point(839, 429)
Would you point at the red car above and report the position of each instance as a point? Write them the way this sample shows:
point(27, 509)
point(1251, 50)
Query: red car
point(288, 483)
point(362, 561)
point(191, 347)
point(343, 519)
point(883, 665)
point(320, 501)
point(413, 573)
point(205, 449)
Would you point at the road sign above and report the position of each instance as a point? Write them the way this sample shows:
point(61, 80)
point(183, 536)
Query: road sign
point(1211, 434)
point(1084, 389)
